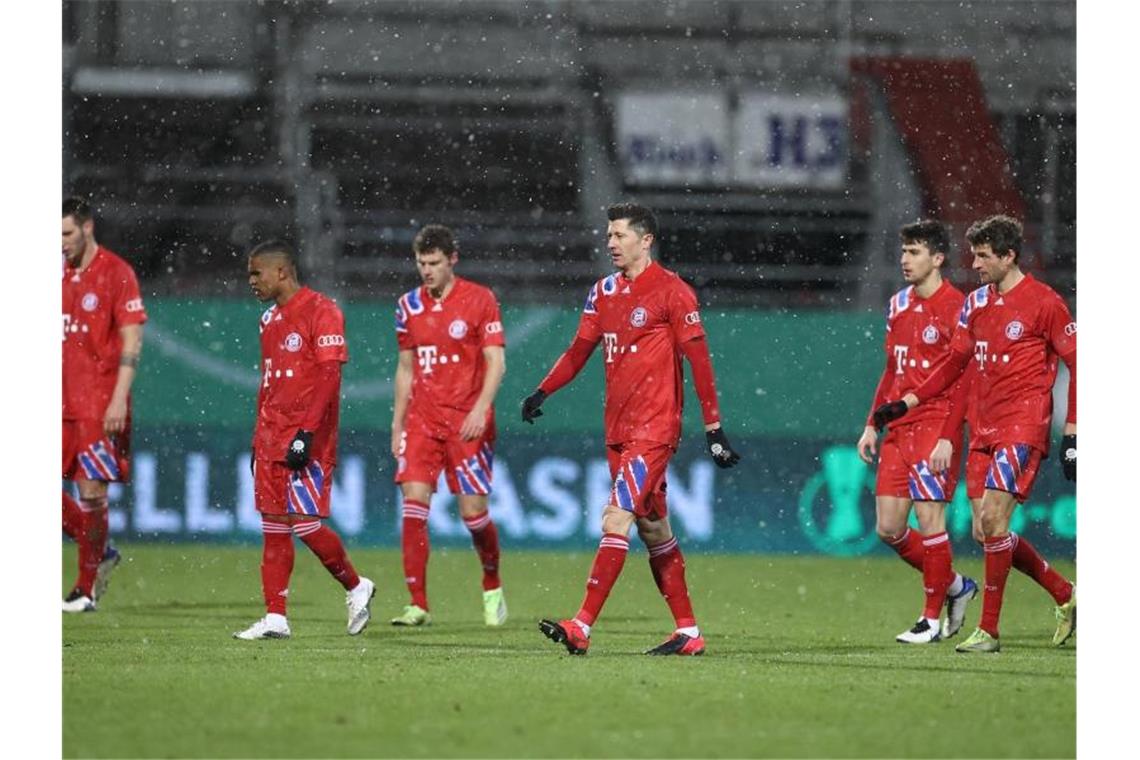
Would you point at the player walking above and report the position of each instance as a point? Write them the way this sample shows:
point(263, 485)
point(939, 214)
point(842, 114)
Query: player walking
point(647, 318)
point(103, 318)
point(294, 442)
point(921, 455)
point(451, 362)
point(1014, 327)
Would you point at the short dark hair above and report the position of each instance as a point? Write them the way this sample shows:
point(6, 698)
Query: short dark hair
point(279, 248)
point(77, 208)
point(435, 237)
point(927, 232)
point(1000, 232)
point(640, 218)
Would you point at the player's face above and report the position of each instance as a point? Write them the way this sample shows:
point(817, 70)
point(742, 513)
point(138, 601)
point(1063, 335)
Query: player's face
point(266, 274)
point(626, 247)
point(990, 267)
point(918, 262)
point(75, 238)
point(436, 268)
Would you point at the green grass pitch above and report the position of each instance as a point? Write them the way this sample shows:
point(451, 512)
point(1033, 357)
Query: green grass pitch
point(801, 662)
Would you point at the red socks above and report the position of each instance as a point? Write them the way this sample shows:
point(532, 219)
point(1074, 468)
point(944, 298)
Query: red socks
point(937, 572)
point(326, 544)
point(415, 546)
point(999, 559)
point(485, 537)
point(909, 547)
point(608, 562)
point(668, 566)
point(92, 541)
point(276, 564)
point(72, 517)
point(1027, 560)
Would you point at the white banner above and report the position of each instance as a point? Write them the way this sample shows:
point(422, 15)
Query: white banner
point(673, 139)
point(790, 141)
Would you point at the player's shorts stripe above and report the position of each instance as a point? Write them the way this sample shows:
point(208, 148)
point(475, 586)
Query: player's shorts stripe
point(480, 475)
point(299, 497)
point(485, 461)
point(89, 468)
point(317, 474)
point(931, 485)
point(466, 487)
point(624, 497)
point(488, 454)
point(640, 471)
point(912, 486)
point(106, 459)
point(477, 483)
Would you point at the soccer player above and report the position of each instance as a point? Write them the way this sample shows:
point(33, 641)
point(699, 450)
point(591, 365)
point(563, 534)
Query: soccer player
point(294, 442)
point(647, 318)
point(103, 318)
point(921, 455)
point(1015, 328)
point(451, 362)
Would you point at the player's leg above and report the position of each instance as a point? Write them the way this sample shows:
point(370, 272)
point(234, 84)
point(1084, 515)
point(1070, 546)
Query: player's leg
point(893, 500)
point(418, 467)
point(72, 517)
point(470, 475)
point(667, 564)
point(270, 480)
point(92, 540)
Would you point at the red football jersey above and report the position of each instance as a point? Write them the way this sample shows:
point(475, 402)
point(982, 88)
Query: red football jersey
point(641, 324)
point(295, 338)
point(448, 337)
point(918, 336)
point(96, 303)
point(1015, 338)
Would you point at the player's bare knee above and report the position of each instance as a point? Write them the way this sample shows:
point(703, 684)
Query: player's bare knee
point(653, 532)
point(616, 520)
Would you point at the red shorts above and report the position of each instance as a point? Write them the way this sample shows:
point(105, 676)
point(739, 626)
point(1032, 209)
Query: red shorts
point(1010, 467)
point(468, 465)
point(277, 490)
point(904, 465)
point(88, 454)
point(638, 469)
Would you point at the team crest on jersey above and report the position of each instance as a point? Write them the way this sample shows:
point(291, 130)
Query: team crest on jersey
point(638, 317)
point(930, 335)
point(293, 342)
point(457, 329)
point(1014, 330)
point(90, 302)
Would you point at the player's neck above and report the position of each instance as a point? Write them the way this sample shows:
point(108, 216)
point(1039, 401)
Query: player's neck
point(88, 256)
point(287, 292)
point(1010, 281)
point(443, 290)
point(929, 286)
point(636, 268)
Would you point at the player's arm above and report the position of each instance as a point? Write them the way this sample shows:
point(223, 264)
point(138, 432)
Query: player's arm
point(696, 351)
point(1062, 335)
point(951, 434)
point(870, 436)
point(476, 421)
point(403, 392)
point(326, 388)
point(945, 373)
point(115, 418)
point(564, 370)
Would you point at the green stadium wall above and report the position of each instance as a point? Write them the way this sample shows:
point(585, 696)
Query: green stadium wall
point(794, 389)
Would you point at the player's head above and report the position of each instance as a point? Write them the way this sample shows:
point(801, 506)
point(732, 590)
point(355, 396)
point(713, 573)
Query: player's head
point(631, 233)
point(436, 254)
point(272, 269)
point(78, 229)
point(924, 247)
point(996, 245)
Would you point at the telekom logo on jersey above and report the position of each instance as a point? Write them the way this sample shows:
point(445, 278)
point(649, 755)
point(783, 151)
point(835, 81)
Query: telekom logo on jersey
point(429, 356)
point(611, 346)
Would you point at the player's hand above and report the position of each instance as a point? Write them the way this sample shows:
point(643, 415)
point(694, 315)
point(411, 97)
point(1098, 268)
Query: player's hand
point(397, 441)
point(941, 455)
point(473, 424)
point(115, 418)
point(888, 412)
point(1069, 456)
point(721, 452)
point(531, 406)
point(866, 445)
point(300, 448)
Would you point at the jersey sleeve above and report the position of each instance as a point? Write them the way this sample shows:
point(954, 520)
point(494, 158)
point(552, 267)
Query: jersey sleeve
point(491, 323)
point(328, 334)
point(1060, 328)
point(128, 306)
point(684, 313)
point(588, 327)
point(403, 335)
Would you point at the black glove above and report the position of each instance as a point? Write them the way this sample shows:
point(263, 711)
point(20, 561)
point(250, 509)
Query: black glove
point(299, 449)
point(252, 459)
point(531, 404)
point(721, 452)
point(1069, 456)
point(888, 412)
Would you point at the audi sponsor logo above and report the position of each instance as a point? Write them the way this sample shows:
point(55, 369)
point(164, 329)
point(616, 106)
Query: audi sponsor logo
point(494, 327)
point(293, 342)
point(90, 302)
point(325, 341)
point(135, 304)
point(693, 318)
point(1071, 329)
point(457, 329)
